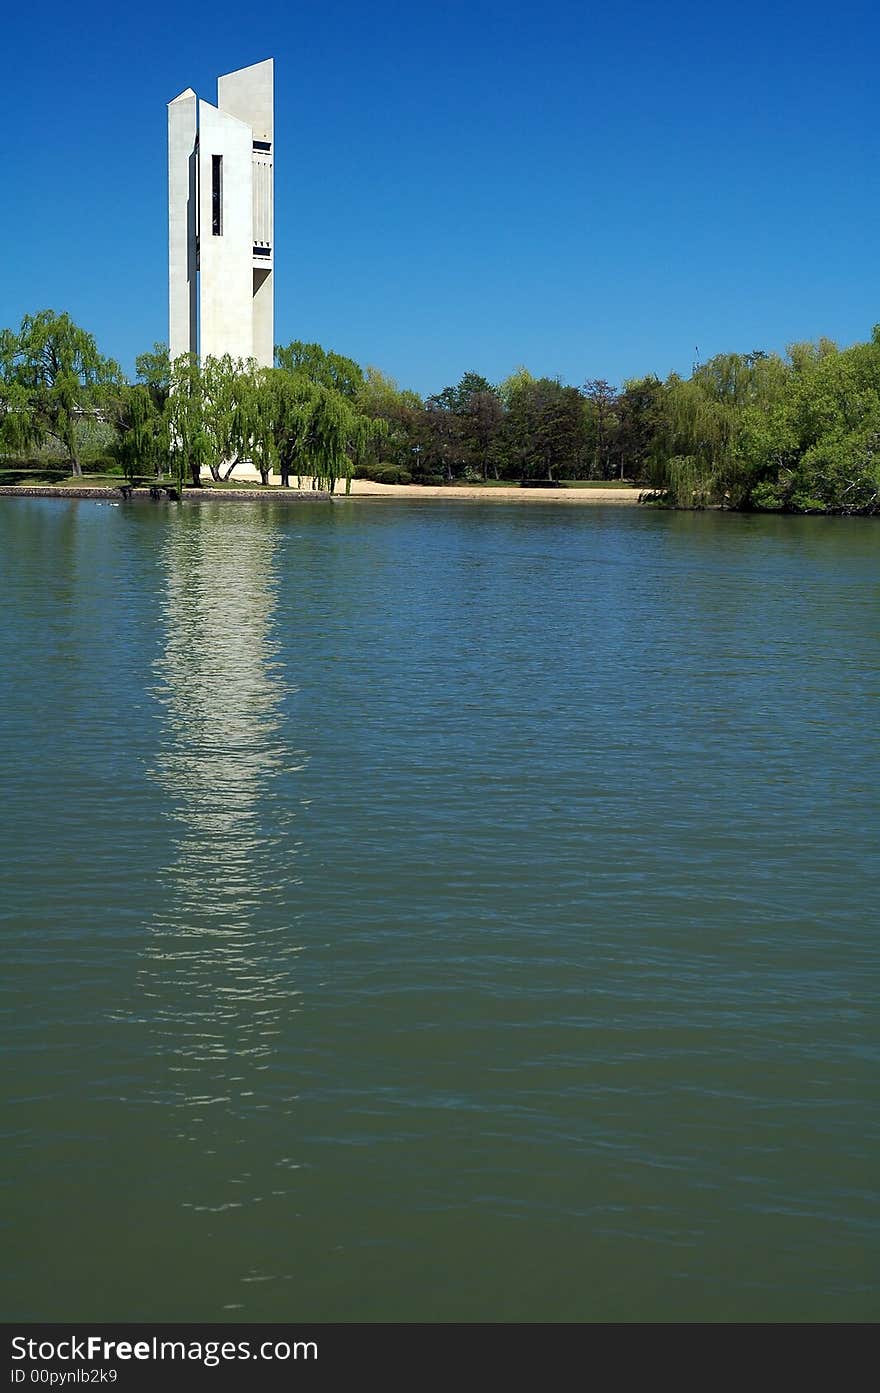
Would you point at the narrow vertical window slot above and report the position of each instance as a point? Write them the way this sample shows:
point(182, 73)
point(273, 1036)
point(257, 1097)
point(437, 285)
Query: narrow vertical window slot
point(217, 195)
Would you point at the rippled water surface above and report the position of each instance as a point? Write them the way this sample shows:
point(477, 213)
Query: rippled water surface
point(433, 912)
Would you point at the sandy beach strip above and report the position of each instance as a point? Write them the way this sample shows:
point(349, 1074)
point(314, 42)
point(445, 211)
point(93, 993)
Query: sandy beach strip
point(473, 493)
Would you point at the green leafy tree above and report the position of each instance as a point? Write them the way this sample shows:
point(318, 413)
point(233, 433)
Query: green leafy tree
point(819, 449)
point(53, 378)
point(141, 445)
point(320, 433)
point(440, 452)
point(262, 422)
point(701, 455)
point(640, 425)
point(321, 367)
point(544, 430)
point(804, 357)
point(154, 371)
point(19, 430)
point(380, 399)
point(459, 427)
point(482, 418)
point(519, 378)
point(229, 387)
point(190, 444)
point(292, 396)
point(602, 401)
point(481, 413)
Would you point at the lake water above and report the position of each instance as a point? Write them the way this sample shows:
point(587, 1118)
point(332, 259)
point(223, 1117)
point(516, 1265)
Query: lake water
point(438, 912)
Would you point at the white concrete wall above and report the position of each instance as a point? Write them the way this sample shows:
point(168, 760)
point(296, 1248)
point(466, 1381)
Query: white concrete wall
point(264, 317)
point(182, 193)
point(226, 262)
point(249, 94)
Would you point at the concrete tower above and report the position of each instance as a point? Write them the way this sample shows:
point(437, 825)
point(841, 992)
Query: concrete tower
point(221, 219)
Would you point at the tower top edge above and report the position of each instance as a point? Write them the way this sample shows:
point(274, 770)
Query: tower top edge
point(267, 63)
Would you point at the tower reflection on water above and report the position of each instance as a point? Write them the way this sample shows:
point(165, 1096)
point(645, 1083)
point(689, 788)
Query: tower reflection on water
point(218, 978)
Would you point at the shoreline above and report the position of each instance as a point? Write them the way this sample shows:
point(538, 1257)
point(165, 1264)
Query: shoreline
point(105, 493)
point(361, 490)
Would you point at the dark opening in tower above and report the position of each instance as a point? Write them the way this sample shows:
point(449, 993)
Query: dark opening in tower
point(217, 195)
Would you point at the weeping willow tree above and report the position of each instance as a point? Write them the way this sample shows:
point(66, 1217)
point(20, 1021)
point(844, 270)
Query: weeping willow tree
point(231, 392)
point(19, 430)
point(52, 377)
point(291, 397)
point(697, 433)
point(188, 438)
point(259, 420)
point(319, 433)
point(326, 440)
point(336, 438)
point(141, 445)
point(699, 457)
point(211, 411)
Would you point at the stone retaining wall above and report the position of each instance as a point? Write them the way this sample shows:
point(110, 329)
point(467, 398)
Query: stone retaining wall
point(274, 495)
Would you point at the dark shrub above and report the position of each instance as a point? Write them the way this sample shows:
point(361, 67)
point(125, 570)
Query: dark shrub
point(383, 474)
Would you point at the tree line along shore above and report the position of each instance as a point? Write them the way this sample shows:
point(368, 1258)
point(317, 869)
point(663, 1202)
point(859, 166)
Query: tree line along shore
point(756, 431)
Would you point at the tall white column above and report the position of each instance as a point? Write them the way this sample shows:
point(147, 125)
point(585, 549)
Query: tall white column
point(225, 235)
point(221, 219)
point(182, 223)
point(249, 94)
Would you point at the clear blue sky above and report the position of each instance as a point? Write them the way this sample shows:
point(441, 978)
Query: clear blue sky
point(588, 190)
